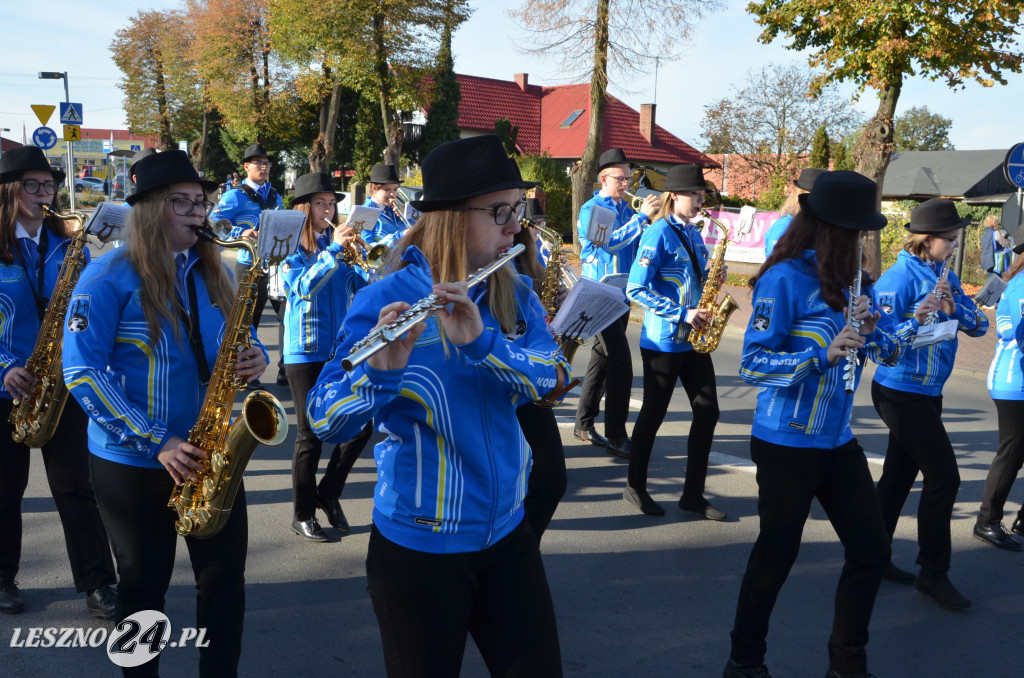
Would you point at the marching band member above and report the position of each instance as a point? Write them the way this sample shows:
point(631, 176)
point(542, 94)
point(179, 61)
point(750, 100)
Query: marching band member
point(908, 396)
point(384, 183)
point(610, 370)
point(319, 286)
point(1006, 387)
point(32, 248)
point(450, 553)
point(798, 347)
point(667, 280)
point(243, 206)
point(144, 322)
point(802, 184)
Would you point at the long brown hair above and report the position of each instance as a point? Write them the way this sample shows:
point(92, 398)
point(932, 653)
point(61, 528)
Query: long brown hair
point(441, 236)
point(1015, 268)
point(10, 205)
point(150, 253)
point(835, 248)
point(307, 236)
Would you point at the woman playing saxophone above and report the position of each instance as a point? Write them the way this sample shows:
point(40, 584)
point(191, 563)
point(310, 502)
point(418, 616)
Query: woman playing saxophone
point(164, 301)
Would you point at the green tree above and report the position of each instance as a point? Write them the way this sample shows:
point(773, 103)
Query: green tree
point(918, 129)
point(878, 43)
point(842, 160)
point(508, 133)
point(820, 149)
point(550, 173)
point(445, 96)
point(370, 142)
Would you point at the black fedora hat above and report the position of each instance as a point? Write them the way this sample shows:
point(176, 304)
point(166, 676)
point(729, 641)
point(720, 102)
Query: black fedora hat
point(685, 178)
point(534, 210)
point(255, 151)
point(613, 156)
point(17, 161)
point(384, 174)
point(308, 185)
point(844, 198)
point(138, 157)
point(935, 216)
point(465, 168)
point(164, 169)
point(807, 177)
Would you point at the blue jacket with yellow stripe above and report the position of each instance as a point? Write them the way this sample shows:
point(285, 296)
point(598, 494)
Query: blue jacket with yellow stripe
point(387, 230)
point(318, 288)
point(244, 213)
point(803, 401)
point(616, 255)
point(664, 281)
point(900, 290)
point(452, 472)
point(137, 391)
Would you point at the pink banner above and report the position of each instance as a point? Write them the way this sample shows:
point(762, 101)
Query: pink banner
point(748, 248)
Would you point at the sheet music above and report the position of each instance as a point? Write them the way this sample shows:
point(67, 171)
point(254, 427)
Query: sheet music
point(363, 217)
point(279, 233)
point(107, 221)
point(590, 307)
point(935, 334)
point(602, 223)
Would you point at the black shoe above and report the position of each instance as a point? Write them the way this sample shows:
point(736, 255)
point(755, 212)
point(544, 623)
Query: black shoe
point(701, 506)
point(938, 586)
point(335, 516)
point(309, 529)
point(590, 435)
point(836, 674)
point(11, 601)
point(898, 576)
point(734, 670)
point(620, 447)
point(254, 385)
point(282, 378)
point(1018, 527)
point(641, 500)
point(996, 535)
point(102, 602)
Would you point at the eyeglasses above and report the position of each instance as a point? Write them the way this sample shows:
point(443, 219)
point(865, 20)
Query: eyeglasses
point(502, 213)
point(33, 186)
point(620, 180)
point(261, 163)
point(946, 238)
point(183, 206)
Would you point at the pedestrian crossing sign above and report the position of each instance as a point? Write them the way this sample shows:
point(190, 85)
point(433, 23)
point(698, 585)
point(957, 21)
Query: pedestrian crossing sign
point(70, 114)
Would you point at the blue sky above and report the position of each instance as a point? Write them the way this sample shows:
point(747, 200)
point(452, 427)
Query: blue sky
point(73, 36)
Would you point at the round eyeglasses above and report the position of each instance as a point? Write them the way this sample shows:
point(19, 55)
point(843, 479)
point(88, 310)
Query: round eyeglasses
point(183, 206)
point(32, 186)
point(502, 213)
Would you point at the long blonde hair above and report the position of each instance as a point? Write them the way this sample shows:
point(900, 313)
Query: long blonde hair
point(441, 236)
point(150, 253)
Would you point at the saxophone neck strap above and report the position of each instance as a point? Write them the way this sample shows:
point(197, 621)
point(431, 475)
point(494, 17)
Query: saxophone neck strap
point(698, 269)
point(267, 204)
point(37, 289)
point(195, 336)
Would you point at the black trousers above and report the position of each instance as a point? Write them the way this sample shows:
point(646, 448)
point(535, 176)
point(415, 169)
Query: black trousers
point(66, 460)
point(133, 502)
point(426, 603)
point(1007, 463)
point(609, 373)
point(308, 448)
point(696, 373)
point(918, 442)
point(278, 305)
point(548, 479)
point(788, 478)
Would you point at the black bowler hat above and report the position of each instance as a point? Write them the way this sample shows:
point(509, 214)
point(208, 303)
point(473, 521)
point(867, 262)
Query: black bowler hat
point(844, 198)
point(685, 178)
point(164, 169)
point(935, 216)
point(23, 159)
point(144, 153)
point(465, 168)
point(255, 151)
point(308, 185)
point(613, 156)
point(807, 177)
point(384, 174)
point(534, 210)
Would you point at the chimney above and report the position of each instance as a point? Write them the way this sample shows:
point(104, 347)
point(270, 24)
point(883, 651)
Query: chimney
point(647, 121)
point(522, 79)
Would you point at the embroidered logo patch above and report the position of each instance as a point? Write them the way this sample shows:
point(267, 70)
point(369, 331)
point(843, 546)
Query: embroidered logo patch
point(762, 314)
point(645, 256)
point(78, 312)
point(887, 300)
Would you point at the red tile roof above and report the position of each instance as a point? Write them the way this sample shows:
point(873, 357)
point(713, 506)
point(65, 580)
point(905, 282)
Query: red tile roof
point(538, 112)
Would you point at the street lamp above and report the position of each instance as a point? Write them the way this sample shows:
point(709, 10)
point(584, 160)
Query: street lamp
point(56, 75)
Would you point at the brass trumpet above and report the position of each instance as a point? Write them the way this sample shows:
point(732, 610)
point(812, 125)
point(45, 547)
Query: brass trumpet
point(364, 255)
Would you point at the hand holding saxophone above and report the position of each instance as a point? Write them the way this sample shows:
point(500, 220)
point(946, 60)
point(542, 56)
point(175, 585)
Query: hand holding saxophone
point(19, 382)
point(181, 459)
point(251, 364)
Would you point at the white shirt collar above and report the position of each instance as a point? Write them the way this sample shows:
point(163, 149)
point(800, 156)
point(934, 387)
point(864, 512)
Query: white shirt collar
point(21, 232)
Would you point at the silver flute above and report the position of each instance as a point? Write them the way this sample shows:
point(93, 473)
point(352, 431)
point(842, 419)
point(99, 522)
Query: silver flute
point(378, 339)
point(850, 368)
point(947, 265)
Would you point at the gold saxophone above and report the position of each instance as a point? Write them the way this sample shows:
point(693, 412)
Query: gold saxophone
point(706, 340)
point(35, 418)
point(204, 504)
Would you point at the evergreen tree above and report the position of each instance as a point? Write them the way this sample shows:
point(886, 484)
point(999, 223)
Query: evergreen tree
point(842, 158)
point(443, 121)
point(508, 133)
point(820, 148)
point(370, 140)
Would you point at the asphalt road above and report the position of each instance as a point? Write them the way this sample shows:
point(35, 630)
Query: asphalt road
point(634, 595)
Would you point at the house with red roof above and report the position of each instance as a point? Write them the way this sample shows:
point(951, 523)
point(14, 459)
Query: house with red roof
point(555, 121)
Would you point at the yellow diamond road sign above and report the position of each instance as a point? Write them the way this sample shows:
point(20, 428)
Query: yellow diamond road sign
point(72, 133)
point(43, 112)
